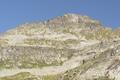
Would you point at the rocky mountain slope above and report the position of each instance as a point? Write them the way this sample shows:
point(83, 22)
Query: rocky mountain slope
point(68, 47)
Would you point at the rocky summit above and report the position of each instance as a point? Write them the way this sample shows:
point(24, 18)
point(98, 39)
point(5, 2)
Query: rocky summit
point(68, 47)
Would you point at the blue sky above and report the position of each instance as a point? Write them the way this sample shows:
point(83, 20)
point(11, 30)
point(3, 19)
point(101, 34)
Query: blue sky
point(15, 12)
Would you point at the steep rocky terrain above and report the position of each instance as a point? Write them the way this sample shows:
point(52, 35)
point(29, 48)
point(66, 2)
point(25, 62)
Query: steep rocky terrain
point(69, 47)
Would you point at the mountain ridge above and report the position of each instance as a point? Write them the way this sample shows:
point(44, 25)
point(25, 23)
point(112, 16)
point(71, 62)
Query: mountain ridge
point(68, 19)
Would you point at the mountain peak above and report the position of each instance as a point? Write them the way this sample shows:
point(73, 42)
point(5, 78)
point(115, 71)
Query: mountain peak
point(68, 20)
point(71, 18)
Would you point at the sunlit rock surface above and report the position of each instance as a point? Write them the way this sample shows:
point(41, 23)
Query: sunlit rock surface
point(68, 47)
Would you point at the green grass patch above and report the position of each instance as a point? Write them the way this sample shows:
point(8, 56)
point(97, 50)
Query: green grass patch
point(20, 76)
point(50, 77)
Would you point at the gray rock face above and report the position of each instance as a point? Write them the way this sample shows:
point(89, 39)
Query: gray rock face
point(70, 47)
point(106, 63)
point(33, 57)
